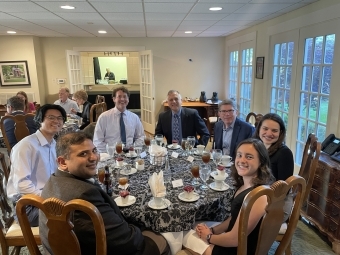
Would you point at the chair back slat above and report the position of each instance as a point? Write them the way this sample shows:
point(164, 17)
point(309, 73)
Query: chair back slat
point(96, 110)
point(254, 118)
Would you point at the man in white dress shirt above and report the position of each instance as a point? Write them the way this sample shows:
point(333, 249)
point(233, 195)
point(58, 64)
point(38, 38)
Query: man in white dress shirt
point(118, 124)
point(65, 102)
point(34, 158)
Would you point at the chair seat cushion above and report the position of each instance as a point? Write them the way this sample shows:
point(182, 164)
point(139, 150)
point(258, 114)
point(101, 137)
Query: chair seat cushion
point(212, 119)
point(15, 231)
point(283, 229)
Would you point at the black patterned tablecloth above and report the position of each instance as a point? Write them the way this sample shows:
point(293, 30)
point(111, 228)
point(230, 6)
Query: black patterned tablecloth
point(179, 216)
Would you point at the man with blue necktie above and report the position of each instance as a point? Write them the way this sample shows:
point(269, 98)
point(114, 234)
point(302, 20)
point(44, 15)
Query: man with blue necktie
point(181, 122)
point(118, 124)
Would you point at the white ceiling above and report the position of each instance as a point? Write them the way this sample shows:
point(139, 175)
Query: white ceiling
point(138, 18)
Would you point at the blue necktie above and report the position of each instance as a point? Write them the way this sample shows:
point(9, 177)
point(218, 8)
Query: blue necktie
point(122, 128)
point(176, 128)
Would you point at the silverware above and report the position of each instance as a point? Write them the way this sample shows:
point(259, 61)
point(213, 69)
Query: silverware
point(143, 197)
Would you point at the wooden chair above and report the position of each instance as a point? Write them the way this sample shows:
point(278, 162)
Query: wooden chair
point(11, 234)
point(3, 109)
point(309, 164)
point(20, 128)
point(96, 110)
point(211, 121)
point(100, 99)
point(257, 118)
point(5, 169)
point(61, 237)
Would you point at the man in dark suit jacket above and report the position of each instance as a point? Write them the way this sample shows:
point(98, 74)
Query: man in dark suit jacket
point(15, 106)
point(191, 123)
point(230, 131)
point(77, 159)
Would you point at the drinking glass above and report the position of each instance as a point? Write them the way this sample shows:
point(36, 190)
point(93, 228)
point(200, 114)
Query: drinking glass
point(183, 144)
point(147, 141)
point(110, 149)
point(195, 171)
point(205, 171)
point(216, 155)
point(191, 143)
point(206, 157)
point(101, 175)
point(159, 140)
point(119, 147)
point(138, 148)
point(123, 179)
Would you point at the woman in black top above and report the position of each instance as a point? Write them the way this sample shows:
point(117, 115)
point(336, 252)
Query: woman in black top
point(81, 98)
point(272, 131)
point(251, 169)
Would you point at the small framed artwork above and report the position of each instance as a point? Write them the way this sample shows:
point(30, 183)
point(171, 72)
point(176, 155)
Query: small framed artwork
point(259, 67)
point(14, 73)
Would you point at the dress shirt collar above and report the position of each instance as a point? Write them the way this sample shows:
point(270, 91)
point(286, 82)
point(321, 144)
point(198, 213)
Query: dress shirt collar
point(42, 139)
point(117, 112)
point(230, 126)
point(178, 113)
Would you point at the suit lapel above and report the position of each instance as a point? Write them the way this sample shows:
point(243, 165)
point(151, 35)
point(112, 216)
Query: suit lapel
point(183, 117)
point(236, 131)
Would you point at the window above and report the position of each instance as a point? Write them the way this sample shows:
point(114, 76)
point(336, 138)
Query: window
point(281, 79)
point(233, 74)
point(246, 82)
point(314, 89)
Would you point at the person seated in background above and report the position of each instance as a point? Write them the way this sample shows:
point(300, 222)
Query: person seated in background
point(110, 74)
point(118, 124)
point(29, 107)
point(34, 158)
point(15, 106)
point(65, 102)
point(271, 130)
point(181, 122)
point(77, 165)
point(230, 130)
point(251, 169)
point(80, 97)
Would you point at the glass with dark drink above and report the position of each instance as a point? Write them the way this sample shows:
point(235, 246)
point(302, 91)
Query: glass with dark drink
point(206, 157)
point(184, 146)
point(123, 180)
point(147, 141)
point(195, 171)
point(119, 147)
point(101, 175)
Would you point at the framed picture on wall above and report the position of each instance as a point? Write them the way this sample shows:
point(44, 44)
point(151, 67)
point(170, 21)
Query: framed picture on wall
point(14, 73)
point(259, 67)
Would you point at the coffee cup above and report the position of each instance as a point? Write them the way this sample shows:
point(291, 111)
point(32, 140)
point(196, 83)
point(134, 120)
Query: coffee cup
point(225, 160)
point(158, 201)
point(200, 149)
point(219, 180)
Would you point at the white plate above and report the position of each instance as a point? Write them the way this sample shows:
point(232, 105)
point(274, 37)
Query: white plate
point(223, 188)
point(152, 205)
point(133, 170)
point(229, 164)
point(129, 156)
point(213, 173)
point(116, 166)
point(170, 146)
point(120, 203)
point(195, 197)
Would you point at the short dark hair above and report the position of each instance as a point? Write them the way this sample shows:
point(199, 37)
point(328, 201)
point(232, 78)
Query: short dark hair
point(264, 174)
point(65, 141)
point(40, 114)
point(227, 102)
point(122, 88)
point(16, 103)
point(281, 140)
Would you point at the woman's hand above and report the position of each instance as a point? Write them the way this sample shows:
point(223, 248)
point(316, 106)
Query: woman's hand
point(202, 231)
point(73, 111)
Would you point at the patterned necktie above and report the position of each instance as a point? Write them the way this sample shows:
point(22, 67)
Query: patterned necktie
point(176, 128)
point(122, 128)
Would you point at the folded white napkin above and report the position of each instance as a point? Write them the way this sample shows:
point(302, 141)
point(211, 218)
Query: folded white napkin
point(156, 150)
point(175, 240)
point(104, 156)
point(156, 183)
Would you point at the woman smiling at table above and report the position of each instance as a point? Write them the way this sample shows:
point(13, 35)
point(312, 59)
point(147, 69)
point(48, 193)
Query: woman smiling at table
point(80, 97)
point(251, 169)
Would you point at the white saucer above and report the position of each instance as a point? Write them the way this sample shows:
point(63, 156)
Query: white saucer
point(195, 197)
point(120, 203)
point(213, 173)
point(116, 166)
point(170, 146)
point(129, 156)
point(229, 164)
point(165, 204)
point(133, 170)
point(224, 186)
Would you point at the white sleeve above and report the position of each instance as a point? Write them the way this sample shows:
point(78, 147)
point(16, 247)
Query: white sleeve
point(99, 134)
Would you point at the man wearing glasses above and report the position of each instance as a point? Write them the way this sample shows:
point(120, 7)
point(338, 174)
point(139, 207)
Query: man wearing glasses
point(230, 131)
point(34, 158)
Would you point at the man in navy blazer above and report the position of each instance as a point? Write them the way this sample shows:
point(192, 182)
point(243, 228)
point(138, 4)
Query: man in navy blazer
point(15, 106)
point(230, 131)
point(190, 123)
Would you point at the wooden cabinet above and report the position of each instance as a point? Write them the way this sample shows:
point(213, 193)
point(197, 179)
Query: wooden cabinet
point(322, 208)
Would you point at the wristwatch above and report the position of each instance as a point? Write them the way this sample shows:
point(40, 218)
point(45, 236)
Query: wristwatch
point(208, 238)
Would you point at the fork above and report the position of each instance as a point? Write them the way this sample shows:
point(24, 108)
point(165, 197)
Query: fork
point(143, 198)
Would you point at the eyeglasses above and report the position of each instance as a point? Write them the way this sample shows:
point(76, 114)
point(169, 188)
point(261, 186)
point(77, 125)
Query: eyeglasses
point(53, 118)
point(227, 111)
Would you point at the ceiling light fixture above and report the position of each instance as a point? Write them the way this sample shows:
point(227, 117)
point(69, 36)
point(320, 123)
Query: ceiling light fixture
point(11, 32)
point(102, 32)
point(67, 7)
point(215, 8)
point(188, 32)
